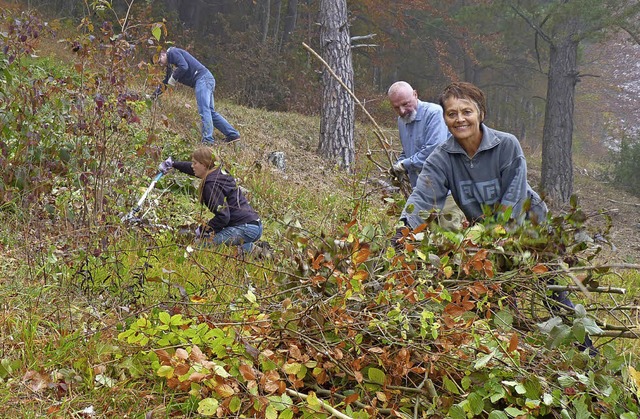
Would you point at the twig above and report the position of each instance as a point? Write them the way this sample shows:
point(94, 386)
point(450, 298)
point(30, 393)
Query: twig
point(611, 265)
point(615, 334)
point(324, 405)
point(606, 290)
point(624, 203)
point(378, 165)
point(359, 38)
point(404, 185)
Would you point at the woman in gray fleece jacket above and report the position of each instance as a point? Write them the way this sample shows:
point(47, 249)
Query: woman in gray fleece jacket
point(483, 168)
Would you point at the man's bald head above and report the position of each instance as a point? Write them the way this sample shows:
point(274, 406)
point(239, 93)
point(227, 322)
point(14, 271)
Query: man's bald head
point(399, 87)
point(404, 100)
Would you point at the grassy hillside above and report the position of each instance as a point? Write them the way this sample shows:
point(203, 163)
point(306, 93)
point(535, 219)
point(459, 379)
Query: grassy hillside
point(102, 318)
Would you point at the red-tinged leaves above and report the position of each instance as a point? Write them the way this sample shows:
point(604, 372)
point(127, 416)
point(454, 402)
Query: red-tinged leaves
point(539, 269)
point(420, 228)
point(354, 397)
point(53, 409)
point(163, 357)
point(349, 225)
point(318, 279)
point(454, 310)
point(181, 369)
point(197, 299)
point(361, 275)
point(197, 377)
point(196, 354)
point(479, 263)
point(181, 354)
point(295, 353)
point(513, 342)
point(322, 376)
point(361, 255)
point(488, 268)
point(271, 381)
point(173, 382)
point(477, 289)
point(247, 372)
point(410, 295)
point(317, 262)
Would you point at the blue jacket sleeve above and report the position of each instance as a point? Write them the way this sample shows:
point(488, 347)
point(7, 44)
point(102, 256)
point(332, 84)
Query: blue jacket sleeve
point(513, 175)
point(435, 132)
point(429, 194)
point(181, 66)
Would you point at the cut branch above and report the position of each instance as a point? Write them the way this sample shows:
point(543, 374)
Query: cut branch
point(324, 404)
point(604, 290)
point(386, 146)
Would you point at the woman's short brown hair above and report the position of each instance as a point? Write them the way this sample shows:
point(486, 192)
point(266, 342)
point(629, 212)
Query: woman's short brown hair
point(467, 91)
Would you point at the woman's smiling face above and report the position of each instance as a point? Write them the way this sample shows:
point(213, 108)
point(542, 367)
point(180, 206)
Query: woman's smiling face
point(463, 118)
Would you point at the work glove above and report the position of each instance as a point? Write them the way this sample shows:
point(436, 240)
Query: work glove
point(396, 241)
point(203, 232)
point(156, 93)
point(398, 168)
point(166, 165)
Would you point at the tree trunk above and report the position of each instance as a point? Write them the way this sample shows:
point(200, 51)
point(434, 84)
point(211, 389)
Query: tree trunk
point(337, 118)
point(277, 7)
point(557, 166)
point(265, 15)
point(289, 22)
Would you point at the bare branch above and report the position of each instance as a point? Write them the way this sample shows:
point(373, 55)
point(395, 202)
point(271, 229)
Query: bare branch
point(533, 25)
point(358, 38)
point(386, 146)
point(364, 45)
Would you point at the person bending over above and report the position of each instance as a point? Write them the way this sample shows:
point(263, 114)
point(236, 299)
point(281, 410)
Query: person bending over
point(182, 67)
point(234, 221)
point(420, 128)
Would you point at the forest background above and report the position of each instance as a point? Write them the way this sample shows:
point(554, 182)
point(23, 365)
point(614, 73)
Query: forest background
point(111, 319)
point(254, 49)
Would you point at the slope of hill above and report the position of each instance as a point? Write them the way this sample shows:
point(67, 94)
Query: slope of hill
point(105, 318)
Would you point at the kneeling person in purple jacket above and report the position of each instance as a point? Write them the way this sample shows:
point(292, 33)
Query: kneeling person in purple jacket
point(234, 221)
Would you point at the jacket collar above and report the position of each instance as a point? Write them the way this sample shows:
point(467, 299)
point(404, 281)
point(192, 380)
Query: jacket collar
point(489, 141)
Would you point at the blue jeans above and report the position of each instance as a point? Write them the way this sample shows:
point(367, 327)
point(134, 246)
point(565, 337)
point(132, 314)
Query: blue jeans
point(243, 234)
point(211, 119)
